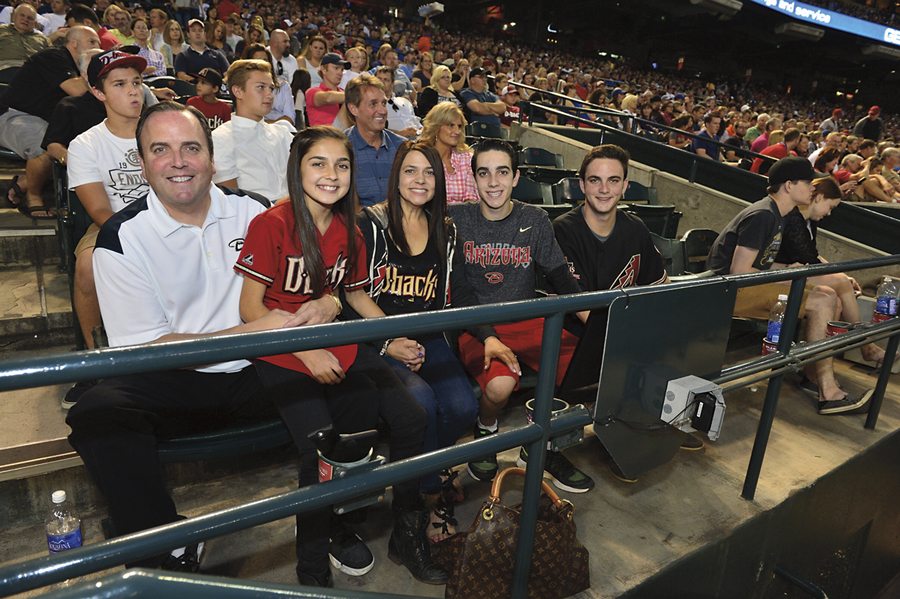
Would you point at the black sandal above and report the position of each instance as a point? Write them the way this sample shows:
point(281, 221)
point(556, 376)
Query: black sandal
point(446, 519)
point(15, 195)
point(450, 493)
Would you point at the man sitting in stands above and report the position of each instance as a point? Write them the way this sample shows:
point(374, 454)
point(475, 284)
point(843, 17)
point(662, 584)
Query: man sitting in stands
point(505, 242)
point(164, 273)
point(778, 150)
point(19, 40)
point(252, 154)
point(608, 248)
point(104, 171)
point(704, 144)
point(25, 109)
point(750, 243)
point(197, 55)
point(481, 104)
point(374, 146)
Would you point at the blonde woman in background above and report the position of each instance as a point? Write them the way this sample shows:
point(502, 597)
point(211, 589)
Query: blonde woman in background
point(173, 42)
point(444, 129)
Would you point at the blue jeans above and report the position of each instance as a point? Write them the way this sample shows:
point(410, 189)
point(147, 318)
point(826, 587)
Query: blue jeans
point(443, 389)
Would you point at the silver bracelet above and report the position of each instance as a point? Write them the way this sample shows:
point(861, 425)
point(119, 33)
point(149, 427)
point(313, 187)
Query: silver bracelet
point(385, 346)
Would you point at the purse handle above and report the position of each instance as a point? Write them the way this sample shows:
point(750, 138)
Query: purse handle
point(498, 482)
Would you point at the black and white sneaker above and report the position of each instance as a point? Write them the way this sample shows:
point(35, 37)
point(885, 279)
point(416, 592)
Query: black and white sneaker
point(348, 553)
point(186, 559)
point(75, 393)
point(561, 472)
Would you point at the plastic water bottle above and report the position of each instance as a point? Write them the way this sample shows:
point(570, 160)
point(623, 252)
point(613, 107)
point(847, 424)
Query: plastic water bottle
point(776, 318)
point(886, 300)
point(63, 527)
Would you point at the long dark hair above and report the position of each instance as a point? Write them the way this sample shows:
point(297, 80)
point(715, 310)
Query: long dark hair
point(436, 209)
point(306, 228)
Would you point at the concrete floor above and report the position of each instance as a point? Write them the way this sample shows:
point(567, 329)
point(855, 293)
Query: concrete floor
point(631, 530)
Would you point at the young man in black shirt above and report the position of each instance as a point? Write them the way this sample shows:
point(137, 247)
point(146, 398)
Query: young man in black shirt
point(750, 243)
point(608, 248)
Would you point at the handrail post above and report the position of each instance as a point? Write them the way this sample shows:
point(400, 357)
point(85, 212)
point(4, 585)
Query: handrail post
point(881, 385)
point(534, 472)
point(788, 329)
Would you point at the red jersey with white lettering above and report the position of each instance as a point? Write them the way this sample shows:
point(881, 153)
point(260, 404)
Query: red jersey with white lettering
point(273, 256)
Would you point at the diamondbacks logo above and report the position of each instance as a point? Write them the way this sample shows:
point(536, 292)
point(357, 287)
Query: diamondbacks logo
point(237, 245)
point(410, 287)
point(494, 278)
point(296, 279)
point(628, 276)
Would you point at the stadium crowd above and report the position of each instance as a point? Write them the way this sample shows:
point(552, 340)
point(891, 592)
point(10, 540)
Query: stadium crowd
point(325, 106)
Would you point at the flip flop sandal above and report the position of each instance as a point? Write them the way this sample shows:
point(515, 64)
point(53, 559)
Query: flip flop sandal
point(15, 195)
point(29, 211)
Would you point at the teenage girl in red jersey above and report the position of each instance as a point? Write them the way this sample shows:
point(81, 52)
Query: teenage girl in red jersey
point(303, 250)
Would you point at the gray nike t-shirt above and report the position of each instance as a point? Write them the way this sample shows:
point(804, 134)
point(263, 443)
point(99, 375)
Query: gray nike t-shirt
point(500, 256)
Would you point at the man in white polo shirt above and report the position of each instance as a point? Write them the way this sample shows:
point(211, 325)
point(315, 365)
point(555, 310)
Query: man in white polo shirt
point(163, 267)
point(252, 154)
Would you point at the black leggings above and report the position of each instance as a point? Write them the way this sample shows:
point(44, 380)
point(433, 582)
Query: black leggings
point(369, 392)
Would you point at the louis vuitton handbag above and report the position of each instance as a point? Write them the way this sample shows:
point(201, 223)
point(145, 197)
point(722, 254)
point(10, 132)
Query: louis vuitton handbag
point(481, 560)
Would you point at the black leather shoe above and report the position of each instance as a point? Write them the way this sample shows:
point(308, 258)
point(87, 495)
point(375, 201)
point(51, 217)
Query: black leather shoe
point(308, 579)
point(409, 546)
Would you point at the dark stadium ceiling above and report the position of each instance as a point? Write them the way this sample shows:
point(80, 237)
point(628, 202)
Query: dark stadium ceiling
point(662, 31)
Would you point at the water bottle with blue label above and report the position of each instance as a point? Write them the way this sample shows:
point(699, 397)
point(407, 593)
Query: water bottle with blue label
point(886, 300)
point(776, 318)
point(63, 527)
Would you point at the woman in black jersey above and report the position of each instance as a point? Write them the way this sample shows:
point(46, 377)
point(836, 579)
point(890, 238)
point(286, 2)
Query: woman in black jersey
point(413, 266)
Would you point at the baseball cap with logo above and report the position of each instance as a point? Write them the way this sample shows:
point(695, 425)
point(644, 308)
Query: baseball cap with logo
point(103, 63)
point(209, 75)
point(509, 89)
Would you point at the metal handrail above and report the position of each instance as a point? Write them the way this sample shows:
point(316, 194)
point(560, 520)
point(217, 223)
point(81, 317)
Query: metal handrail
point(592, 108)
point(28, 372)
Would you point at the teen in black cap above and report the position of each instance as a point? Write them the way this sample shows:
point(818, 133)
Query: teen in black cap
point(750, 242)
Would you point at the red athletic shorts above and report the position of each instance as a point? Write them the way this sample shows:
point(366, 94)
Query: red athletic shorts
point(524, 339)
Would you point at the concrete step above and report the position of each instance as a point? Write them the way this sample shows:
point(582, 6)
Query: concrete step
point(35, 307)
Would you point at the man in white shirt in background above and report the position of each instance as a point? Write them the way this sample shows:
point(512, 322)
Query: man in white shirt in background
point(402, 118)
point(252, 154)
point(283, 63)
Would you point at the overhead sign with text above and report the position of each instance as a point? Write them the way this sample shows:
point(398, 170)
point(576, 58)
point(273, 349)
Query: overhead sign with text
point(833, 20)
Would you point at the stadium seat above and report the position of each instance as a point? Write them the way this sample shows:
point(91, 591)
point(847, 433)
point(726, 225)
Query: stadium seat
point(662, 220)
point(697, 243)
point(532, 192)
point(540, 157)
point(567, 189)
point(673, 254)
point(638, 192)
point(477, 129)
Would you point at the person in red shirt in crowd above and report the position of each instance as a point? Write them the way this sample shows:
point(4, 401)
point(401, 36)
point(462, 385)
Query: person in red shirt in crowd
point(209, 81)
point(227, 8)
point(510, 97)
point(323, 102)
point(777, 151)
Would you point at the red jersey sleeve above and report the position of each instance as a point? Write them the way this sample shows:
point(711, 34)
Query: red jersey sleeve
point(262, 247)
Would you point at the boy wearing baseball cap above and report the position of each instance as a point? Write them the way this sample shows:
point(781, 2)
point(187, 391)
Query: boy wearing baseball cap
point(105, 173)
point(208, 83)
point(750, 243)
point(324, 101)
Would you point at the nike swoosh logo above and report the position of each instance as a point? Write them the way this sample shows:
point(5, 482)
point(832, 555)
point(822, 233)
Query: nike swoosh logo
point(521, 230)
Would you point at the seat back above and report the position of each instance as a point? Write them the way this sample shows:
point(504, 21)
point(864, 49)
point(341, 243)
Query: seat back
point(673, 254)
point(567, 189)
point(662, 220)
point(179, 86)
point(540, 157)
point(6, 75)
point(697, 243)
point(637, 192)
point(479, 129)
point(532, 192)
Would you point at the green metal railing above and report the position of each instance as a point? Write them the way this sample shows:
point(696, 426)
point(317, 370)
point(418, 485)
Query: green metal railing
point(31, 372)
